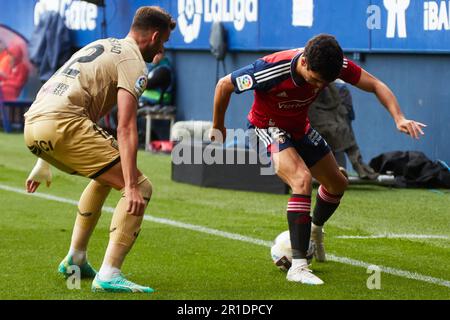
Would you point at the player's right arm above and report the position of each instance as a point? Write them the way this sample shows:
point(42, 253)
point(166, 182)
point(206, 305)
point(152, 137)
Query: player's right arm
point(224, 89)
point(238, 81)
point(387, 98)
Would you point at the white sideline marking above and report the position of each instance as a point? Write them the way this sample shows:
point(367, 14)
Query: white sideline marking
point(235, 236)
point(396, 236)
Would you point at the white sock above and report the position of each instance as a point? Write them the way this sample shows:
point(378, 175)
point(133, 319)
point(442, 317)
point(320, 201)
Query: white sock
point(314, 227)
point(299, 262)
point(78, 257)
point(108, 272)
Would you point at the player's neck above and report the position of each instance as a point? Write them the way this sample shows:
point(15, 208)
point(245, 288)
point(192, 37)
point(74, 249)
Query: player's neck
point(299, 70)
point(140, 38)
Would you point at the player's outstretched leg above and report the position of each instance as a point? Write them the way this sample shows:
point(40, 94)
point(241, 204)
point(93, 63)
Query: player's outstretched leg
point(89, 211)
point(326, 205)
point(332, 187)
point(123, 233)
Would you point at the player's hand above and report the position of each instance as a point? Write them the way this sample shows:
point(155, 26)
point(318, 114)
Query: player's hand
point(411, 127)
point(218, 134)
point(135, 202)
point(40, 173)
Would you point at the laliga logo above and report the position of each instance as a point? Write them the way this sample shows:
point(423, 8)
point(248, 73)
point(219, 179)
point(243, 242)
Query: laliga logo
point(190, 14)
point(190, 18)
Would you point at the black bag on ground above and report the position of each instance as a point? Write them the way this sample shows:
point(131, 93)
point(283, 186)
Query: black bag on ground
point(412, 169)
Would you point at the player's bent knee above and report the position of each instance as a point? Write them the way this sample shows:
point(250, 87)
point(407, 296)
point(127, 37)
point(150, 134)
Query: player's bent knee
point(342, 185)
point(338, 186)
point(301, 182)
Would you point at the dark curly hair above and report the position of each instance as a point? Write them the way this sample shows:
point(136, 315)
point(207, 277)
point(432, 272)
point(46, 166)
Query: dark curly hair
point(324, 55)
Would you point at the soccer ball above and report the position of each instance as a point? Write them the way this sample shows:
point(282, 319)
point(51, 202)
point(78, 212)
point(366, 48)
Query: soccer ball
point(281, 251)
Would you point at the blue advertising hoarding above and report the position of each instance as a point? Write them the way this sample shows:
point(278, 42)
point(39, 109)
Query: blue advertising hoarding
point(289, 24)
point(255, 25)
point(409, 26)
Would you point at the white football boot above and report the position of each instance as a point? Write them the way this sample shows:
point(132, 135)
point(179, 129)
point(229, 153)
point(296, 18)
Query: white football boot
point(317, 237)
point(302, 274)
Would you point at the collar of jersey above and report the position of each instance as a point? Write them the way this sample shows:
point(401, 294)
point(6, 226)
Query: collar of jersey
point(298, 80)
point(135, 46)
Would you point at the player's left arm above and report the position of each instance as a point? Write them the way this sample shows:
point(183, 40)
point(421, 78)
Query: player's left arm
point(370, 83)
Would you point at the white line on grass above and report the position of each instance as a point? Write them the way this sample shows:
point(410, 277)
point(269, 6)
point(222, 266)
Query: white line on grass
point(235, 236)
point(396, 236)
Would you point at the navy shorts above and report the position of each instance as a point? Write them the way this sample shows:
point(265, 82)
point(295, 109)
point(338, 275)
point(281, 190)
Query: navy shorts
point(311, 147)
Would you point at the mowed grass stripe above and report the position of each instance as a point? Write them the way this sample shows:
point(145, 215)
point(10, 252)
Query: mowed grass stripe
point(234, 236)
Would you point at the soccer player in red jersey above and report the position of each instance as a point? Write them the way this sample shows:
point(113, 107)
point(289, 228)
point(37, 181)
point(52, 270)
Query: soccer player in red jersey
point(285, 84)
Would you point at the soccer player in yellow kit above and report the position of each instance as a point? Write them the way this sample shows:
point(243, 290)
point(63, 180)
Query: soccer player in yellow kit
point(60, 128)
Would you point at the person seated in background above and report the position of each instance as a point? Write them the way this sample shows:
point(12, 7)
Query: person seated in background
point(13, 72)
point(159, 90)
point(157, 98)
point(331, 115)
point(158, 95)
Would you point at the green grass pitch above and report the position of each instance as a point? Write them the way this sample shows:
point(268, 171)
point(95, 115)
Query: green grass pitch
point(182, 263)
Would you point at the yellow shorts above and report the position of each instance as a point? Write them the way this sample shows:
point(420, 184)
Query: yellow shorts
point(75, 145)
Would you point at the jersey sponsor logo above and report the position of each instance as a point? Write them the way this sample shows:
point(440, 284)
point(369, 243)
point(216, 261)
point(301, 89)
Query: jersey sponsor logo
point(244, 82)
point(140, 85)
point(294, 104)
point(191, 12)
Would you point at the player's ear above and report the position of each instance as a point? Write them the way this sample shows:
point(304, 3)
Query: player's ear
point(155, 36)
point(303, 61)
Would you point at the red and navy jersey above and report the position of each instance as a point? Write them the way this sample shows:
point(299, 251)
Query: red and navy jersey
point(282, 97)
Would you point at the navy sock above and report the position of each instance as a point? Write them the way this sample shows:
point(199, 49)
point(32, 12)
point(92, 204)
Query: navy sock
point(299, 221)
point(326, 205)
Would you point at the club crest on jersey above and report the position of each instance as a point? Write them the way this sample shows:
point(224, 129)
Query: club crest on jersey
point(278, 135)
point(280, 139)
point(244, 82)
point(140, 85)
